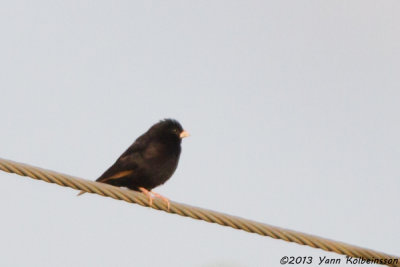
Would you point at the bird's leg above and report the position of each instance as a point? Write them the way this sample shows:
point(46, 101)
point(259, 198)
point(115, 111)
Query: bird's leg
point(162, 197)
point(148, 194)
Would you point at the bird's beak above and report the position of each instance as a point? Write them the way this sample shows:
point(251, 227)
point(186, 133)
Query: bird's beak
point(184, 134)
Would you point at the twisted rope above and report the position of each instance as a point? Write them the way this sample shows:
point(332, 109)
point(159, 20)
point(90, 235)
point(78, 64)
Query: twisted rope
point(198, 213)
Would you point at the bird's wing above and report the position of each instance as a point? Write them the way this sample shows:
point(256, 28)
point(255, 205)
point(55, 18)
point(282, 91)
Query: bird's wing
point(123, 167)
point(127, 163)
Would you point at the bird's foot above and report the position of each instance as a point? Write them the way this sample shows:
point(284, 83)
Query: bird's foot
point(166, 200)
point(150, 194)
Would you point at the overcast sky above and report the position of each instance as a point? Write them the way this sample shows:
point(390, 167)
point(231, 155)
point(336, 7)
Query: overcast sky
point(293, 109)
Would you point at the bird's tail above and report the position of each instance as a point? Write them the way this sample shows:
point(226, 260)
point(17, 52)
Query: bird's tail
point(81, 193)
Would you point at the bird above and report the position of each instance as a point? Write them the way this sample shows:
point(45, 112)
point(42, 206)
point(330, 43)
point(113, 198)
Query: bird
point(150, 161)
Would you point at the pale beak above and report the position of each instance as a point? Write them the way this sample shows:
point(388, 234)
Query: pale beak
point(184, 134)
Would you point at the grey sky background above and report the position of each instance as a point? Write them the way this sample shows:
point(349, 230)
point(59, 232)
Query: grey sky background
point(293, 107)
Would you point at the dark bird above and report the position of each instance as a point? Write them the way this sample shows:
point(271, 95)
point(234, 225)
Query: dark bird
point(150, 161)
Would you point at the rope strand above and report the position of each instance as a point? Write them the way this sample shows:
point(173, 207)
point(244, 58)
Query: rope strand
point(198, 213)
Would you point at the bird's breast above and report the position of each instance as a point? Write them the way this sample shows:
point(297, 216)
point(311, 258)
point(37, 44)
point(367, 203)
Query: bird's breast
point(161, 161)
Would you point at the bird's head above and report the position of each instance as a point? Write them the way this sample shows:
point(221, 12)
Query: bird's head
point(169, 129)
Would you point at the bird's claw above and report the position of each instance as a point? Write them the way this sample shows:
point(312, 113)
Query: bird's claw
point(166, 200)
point(149, 195)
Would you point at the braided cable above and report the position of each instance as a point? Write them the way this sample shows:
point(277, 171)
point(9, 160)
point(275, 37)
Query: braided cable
point(198, 213)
